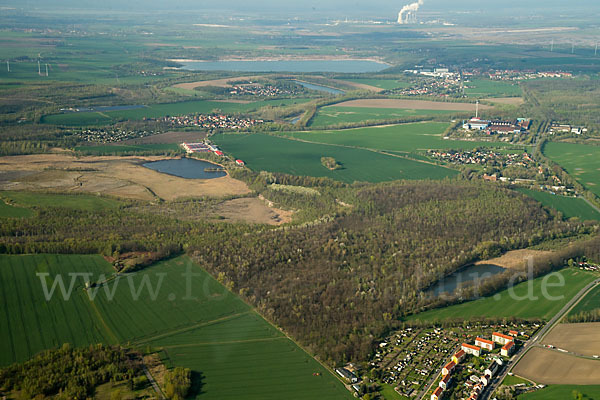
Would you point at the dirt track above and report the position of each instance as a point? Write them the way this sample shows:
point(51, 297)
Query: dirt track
point(117, 176)
point(552, 367)
point(511, 101)
point(411, 104)
point(577, 338)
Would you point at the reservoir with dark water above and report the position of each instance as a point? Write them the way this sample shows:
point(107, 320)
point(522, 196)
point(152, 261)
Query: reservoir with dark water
point(342, 66)
point(465, 277)
point(188, 168)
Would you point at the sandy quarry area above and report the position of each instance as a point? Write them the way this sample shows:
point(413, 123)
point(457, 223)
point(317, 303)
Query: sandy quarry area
point(216, 82)
point(553, 367)
point(361, 86)
point(581, 339)
point(109, 175)
point(515, 259)
point(411, 104)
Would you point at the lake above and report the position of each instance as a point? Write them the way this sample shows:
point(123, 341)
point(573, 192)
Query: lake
point(188, 168)
point(320, 88)
point(300, 66)
point(466, 276)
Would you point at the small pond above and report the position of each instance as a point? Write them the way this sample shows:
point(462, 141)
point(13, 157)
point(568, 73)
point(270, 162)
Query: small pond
point(466, 276)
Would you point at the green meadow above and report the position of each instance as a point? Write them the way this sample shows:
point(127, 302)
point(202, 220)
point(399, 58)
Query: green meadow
point(579, 160)
point(525, 300)
point(7, 210)
point(174, 306)
point(590, 302)
point(407, 138)
point(277, 154)
point(116, 149)
point(333, 115)
point(569, 206)
point(563, 392)
point(160, 110)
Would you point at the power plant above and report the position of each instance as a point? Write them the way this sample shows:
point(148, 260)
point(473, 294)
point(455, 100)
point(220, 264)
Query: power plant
point(408, 14)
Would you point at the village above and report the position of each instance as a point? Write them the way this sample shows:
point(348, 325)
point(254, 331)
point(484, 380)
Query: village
point(112, 135)
point(483, 157)
point(211, 122)
point(423, 362)
point(261, 90)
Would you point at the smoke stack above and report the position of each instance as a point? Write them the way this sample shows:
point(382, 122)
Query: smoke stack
point(408, 13)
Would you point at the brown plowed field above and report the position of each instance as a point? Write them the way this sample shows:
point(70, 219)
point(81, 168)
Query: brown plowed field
point(581, 339)
point(554, 368)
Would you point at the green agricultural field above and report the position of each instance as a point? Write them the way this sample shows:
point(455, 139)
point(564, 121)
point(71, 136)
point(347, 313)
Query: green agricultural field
point(580, 160)
point(511, 380)
point(160, 110)
point(516, 302)
point(74, 201)
point(564, 392)
point(7, 210)
point(275, 154)
point(568, 206)
point(406, 138)
point(589, 302)
point(30, 324)
point(387, 84)
point(102, 150)
point(341, 115)
point(195, 320)
point(487, 88)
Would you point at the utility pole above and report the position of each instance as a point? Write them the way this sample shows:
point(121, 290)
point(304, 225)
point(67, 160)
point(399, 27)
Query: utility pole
point(7, 65)
point(39, 68)
point(46, 69)
point(477, 109)
point(596, 51)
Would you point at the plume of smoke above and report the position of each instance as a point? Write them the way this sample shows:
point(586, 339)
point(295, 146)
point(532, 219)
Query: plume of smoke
point(410, 8)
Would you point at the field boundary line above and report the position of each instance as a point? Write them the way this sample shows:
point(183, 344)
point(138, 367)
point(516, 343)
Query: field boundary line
point(104, 324)
point(271, 339)
point(189, 328)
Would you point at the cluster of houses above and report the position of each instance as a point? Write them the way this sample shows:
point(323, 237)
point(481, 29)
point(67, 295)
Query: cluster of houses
point(490, 127)
point(483, 157)
point(111, 135)
point(566, 128)
point(212, 122)
point(259, 90)
point(588, 266)
point(516, 75)
point(477, 384)
point(443, 85)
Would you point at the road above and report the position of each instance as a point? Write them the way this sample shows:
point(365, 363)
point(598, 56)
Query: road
point(537, 339)
point(424, 391)
point(154, 384)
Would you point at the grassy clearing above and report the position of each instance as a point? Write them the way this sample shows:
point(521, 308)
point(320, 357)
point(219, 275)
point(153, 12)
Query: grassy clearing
point(569, 206)
point(128, 149)
point(161, 110)
point(589, 302)
point(516, 302)
point(74, 201)
point(338, 115)
point(275, 154)
point(9, 211)
point(563, 392)
point(514, 380)
point(30, 324)
point(407, 138)
point(488, 88)
point(580, 160)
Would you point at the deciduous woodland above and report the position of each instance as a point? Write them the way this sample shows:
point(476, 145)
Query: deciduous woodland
point(334, 283)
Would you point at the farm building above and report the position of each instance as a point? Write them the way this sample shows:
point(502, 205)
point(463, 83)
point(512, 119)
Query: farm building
point(484, 344)
point(448, 368)
point(470, 349)
point(476, 124)
point(501, 338)
point(241, 164)
point(459, 356)
point(445, 381)
point(196, 148)
point(344, 373)
point(437, 394)
point(508, 349)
